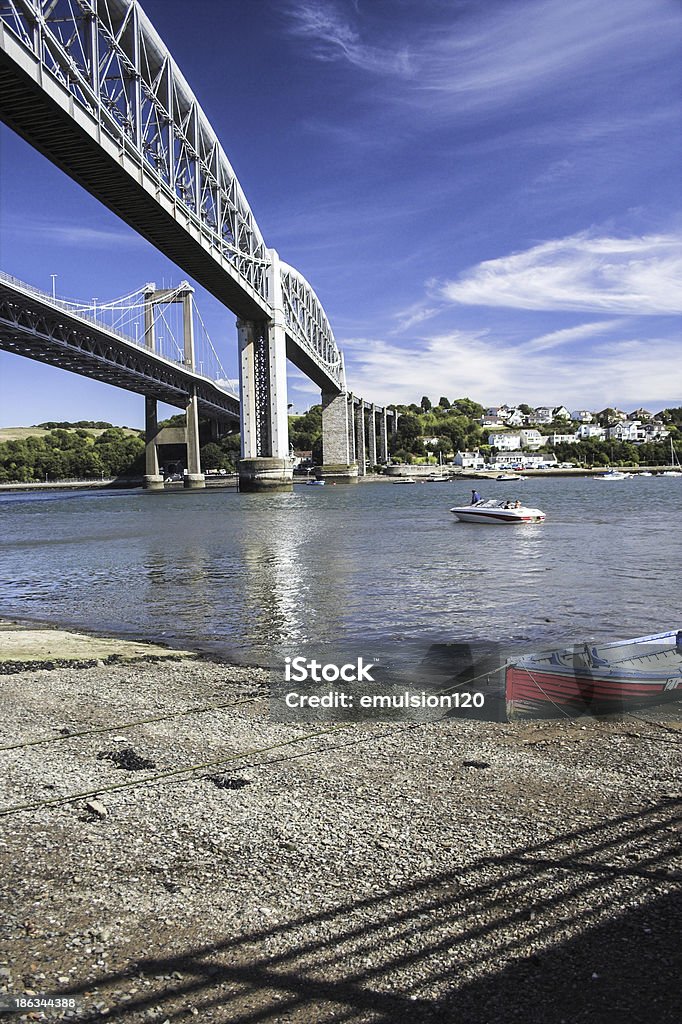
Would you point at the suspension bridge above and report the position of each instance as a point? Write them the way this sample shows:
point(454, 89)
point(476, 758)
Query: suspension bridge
point(92, 86)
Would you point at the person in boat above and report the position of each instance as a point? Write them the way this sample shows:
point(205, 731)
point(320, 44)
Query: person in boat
point(475, 496)
point(517, 503)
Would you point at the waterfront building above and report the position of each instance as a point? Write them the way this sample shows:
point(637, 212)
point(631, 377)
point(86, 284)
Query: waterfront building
point(531, 438)
point(469, 460)
point(563, 439)
point(590, 432)
point(504, 442)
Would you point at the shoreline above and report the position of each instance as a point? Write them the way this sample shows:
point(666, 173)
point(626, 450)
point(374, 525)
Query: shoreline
point(391, 872)
point(230, 482)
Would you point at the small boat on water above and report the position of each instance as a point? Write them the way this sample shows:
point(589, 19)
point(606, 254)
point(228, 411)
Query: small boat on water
point(404, 480)
point(315, 483)
point(488, 510)
point(509, 476)
point(603, 677)
point(614, 474)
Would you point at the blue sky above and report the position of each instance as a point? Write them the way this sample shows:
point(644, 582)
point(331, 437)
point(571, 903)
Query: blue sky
point(485, 196)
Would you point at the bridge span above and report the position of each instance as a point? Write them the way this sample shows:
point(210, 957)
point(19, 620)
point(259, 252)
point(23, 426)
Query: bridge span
point(92, 86)
point(71, 337)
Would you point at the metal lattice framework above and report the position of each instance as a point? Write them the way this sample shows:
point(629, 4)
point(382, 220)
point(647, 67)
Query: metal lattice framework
point(92, 85)
point(307, 323)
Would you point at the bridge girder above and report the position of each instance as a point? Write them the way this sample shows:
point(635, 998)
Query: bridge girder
point(91, 85)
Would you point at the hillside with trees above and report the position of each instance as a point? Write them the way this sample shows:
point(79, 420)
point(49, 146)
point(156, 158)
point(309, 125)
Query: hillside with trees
point(91, 450)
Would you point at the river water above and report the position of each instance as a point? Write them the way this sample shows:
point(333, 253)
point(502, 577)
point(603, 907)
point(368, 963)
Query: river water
point(370, 568)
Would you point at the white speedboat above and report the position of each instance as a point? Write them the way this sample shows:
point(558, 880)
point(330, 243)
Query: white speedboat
point(614, 474)
point(488, 510)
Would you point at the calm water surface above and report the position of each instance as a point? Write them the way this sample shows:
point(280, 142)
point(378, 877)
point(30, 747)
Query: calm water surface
point(364, 568)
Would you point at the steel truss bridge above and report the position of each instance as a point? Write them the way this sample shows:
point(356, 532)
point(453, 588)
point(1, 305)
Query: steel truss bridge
point(92, 86)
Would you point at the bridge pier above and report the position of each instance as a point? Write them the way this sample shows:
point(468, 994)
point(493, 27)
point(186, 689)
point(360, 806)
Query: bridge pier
point(153, 481)
point(360, 446)
point(372, 438)
point(193, 478)
point(339, 464)
point(383, 436)
point(265, 464)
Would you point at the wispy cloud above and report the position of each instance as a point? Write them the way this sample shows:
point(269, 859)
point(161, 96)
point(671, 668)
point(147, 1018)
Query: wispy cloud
point(491, 370)
point(489, 59)
point(637, 276)
point(569, 335)
point(78, 235)
point(334, 38)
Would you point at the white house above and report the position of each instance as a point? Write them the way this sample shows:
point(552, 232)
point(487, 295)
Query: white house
point(582, 416)
point(629, 430)
point(469, 460)
point(562, 413)
point(515, 418)
point(590, 432)
point(655, 431)
point(510, 459)
point(543, 414)
point(562, 439)
point(532, 439)
point(504, 442)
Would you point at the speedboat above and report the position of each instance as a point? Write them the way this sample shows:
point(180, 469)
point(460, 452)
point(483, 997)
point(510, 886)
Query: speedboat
point(488, 510)
point(614, 474)
point(508, 476)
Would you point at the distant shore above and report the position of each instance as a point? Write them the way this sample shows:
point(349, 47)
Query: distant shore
point(415, 472)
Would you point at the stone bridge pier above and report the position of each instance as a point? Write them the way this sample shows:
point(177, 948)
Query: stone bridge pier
point(354, 433)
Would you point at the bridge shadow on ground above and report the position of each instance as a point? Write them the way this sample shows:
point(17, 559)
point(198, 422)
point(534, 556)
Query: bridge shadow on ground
point(582, 928)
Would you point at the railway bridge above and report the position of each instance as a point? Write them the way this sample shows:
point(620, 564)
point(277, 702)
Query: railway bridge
point(92, 86)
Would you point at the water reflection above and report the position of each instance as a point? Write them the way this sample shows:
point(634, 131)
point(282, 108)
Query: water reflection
point(366, 567)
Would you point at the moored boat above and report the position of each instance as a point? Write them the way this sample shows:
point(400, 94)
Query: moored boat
point(488, 510)
point(590, 678)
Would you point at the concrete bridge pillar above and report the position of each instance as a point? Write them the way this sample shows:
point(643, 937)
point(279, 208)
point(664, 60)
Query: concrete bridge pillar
point(153, 481)
point(338, 464)
point(265, 464)
point(360, 447)
point(194, 478)
point(372, 436)
point(383, 436)
point(350, 416)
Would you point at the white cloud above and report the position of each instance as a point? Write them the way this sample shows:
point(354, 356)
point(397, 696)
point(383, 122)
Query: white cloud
point(490, 56)
point(78, 235)
point(623, 372)
point(337, 40)
point(636, 276)
point(567, 335)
